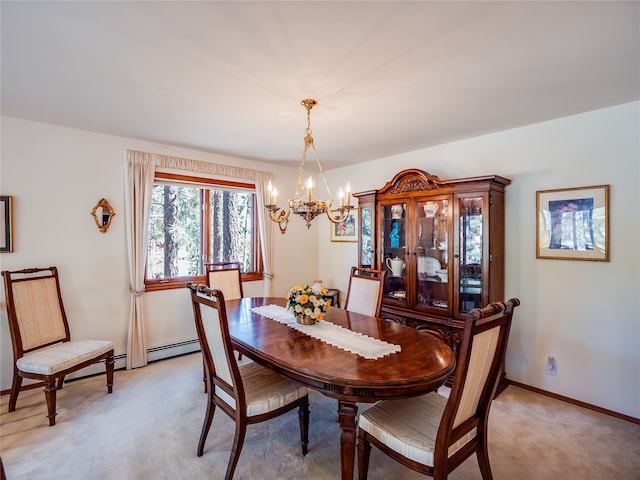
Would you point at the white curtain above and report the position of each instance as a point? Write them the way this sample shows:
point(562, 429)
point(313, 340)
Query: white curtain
point(266, 227)
point(139, 172)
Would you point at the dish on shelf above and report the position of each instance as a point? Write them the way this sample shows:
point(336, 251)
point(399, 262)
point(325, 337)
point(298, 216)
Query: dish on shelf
point(440, 304)
point(428, 265)
point(399, 294)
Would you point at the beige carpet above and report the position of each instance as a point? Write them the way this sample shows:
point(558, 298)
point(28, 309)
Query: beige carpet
point(149, 428)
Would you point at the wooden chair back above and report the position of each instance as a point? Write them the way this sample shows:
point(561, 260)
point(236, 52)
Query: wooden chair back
point(213, 334)
point(226, 277)
point(34, 305)
point(365, 291)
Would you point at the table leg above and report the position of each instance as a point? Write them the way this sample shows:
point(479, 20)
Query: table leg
point(347, 412)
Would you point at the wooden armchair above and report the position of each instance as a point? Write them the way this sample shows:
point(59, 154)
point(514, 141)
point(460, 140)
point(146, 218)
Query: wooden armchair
point(365, 291)
point(248, 393)
point(42, 346)
point(433, 435)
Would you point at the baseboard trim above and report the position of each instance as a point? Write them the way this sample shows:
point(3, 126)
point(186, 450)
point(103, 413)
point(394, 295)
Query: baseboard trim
point(578, 403)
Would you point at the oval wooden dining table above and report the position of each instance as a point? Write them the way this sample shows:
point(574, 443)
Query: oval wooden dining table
point(422, 364)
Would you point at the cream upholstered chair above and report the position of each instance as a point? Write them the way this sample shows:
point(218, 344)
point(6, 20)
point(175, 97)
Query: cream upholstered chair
point(42, 346)
point(226, 277)
point(431, 434)
point(248, 393)
point(365, 291)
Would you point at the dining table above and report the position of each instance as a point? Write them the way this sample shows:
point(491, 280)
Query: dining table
point(408, 362)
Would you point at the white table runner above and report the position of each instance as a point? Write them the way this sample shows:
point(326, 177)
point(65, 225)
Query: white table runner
point(354, 342)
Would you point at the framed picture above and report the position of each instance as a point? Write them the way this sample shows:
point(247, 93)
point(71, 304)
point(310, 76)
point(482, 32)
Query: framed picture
point(346, 231)
point(6, 228)
point(573, 223)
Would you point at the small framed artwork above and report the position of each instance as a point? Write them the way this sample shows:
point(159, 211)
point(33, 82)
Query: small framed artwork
point(6, 225)
point(346, 231)
point(573, 223)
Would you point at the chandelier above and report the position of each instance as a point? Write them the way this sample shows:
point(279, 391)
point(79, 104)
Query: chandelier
point(304, 203)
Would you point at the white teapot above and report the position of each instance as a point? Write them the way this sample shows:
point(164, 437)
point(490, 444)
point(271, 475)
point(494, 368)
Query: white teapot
point(396, 265)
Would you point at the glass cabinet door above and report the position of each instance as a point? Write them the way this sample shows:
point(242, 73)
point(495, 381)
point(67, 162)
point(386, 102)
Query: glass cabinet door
point(470, 254)
point(394, 242)
point(432, 250)
point(366, 236)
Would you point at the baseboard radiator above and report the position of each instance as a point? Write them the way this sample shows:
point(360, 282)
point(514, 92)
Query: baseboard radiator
point(153, 354)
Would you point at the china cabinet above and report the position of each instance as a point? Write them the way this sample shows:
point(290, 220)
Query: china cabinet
point(441, 243)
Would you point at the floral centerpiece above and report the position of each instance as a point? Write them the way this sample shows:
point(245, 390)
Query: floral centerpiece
point(307, 303)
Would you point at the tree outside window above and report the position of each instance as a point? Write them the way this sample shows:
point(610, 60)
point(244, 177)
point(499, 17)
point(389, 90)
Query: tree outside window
point(194, 224)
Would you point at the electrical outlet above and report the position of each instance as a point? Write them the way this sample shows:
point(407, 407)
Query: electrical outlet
point(551, 366)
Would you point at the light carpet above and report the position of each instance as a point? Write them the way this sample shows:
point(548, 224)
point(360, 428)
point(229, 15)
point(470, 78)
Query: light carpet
point(149, 429)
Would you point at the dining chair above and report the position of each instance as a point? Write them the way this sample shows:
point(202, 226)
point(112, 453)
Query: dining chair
point(40, 336)
point(432, 434)
point(248, 393)
point(365, 291)
point(225, 276)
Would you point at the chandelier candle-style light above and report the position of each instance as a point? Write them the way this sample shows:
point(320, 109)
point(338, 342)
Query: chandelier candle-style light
point(304, 203)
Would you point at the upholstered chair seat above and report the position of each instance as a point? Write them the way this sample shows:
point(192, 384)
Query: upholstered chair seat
point(265, 390)
point(62, 356)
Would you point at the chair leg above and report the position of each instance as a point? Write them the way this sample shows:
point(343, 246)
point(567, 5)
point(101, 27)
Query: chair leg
point(238, 441)
point(50, 390)
point(60, 383)
point(208, 418)
point(483, 460)
point(109, 366)
point(364, 452)
point(303, 416)
point(15, 390)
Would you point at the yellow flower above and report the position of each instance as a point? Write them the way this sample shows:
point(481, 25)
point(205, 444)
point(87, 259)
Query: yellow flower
point(304, 298)
point(319, 317)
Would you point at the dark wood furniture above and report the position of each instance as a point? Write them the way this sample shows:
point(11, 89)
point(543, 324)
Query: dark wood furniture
point(422, 366)
point(333, 294)
point(40, 336)
point(404, 429)
point(364, 294)
point(442, 245)
point(249, 393)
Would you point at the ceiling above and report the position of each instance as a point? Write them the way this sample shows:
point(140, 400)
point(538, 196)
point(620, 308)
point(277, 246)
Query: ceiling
point(389, 77)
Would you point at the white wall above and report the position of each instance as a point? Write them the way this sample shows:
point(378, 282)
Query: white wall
point(585, 314)
point(56, 176)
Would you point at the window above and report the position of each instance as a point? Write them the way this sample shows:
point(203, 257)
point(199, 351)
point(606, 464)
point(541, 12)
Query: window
point(194, 221)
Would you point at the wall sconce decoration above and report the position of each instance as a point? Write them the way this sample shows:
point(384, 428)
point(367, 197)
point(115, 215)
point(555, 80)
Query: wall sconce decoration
point(103, 214)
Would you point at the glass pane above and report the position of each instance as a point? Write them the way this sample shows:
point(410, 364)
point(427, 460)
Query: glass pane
point(433, 253)
point(393, 243)
point(366, 237)
point(470, 253)
point(174, 248)
point(232, 228)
